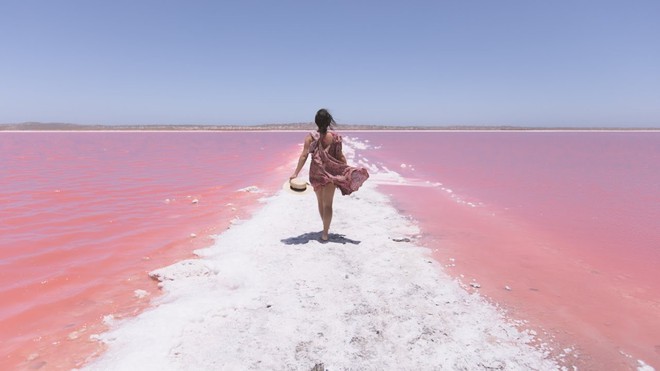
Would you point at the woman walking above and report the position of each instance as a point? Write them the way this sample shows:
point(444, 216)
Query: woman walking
point(328, 169)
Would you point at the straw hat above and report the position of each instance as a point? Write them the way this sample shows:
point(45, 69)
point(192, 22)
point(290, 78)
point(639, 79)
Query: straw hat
point(297, 186)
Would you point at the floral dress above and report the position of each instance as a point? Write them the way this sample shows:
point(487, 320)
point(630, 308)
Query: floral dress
point(327, 168)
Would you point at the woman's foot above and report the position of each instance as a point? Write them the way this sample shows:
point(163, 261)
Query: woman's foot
point(324, 237)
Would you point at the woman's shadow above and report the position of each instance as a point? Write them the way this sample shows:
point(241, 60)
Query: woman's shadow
point(316, 236)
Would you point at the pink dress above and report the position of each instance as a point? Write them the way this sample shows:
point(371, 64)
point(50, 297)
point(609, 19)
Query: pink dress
point(327, 168)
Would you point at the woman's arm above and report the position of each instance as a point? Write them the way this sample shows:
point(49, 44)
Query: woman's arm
point(341, 156)
point(303, 157)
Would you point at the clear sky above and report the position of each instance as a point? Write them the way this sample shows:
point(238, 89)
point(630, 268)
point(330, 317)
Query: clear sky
point(467, 62)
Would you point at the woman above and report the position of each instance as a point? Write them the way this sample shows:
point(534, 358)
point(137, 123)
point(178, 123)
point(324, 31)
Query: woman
point(329, 169)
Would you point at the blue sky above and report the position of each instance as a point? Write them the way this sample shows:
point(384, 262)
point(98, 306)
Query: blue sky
point(530, 63)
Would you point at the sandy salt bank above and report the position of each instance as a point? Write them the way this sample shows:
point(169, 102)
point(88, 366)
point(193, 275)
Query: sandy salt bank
point(269, 296)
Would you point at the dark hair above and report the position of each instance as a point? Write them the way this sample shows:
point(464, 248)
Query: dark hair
point(324, 120)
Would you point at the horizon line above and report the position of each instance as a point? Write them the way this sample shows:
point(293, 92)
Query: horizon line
point(54, 126)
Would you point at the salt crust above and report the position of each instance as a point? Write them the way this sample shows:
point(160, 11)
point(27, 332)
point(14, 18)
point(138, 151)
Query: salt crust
point(269, 296)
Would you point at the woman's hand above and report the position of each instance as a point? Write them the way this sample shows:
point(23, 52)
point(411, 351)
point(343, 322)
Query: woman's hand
point(303, 157)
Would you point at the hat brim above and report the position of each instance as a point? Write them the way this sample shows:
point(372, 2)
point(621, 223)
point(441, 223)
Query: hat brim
point(287, 187)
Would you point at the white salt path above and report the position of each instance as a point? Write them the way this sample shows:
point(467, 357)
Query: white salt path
point(269, 296)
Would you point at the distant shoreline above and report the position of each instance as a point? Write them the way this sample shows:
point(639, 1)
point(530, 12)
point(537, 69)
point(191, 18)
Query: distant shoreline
point(37, 126)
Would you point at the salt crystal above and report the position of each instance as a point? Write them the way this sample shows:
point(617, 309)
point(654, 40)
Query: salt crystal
point(643, 366)
point(140, 294)
point(251, 189)
point(108, 320)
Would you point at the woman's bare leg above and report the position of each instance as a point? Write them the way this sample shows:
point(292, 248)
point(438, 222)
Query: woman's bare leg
point(327, 195)
point(319, 198)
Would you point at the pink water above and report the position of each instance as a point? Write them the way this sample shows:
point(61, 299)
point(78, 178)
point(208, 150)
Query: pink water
point(570, 221)
point(85, 216)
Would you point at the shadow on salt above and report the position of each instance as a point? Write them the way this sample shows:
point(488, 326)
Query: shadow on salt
point(316, 236)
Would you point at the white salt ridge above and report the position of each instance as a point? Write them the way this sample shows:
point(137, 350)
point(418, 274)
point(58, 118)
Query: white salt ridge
point(251, 189)
point(109, 320)
point(269, 296)
point(140, 294)
point(351, 144)
point(393, 177)
point(642, 366)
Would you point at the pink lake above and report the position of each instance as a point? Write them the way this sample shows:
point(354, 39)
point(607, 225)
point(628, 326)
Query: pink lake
point(568, 221)
point(85, 216)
